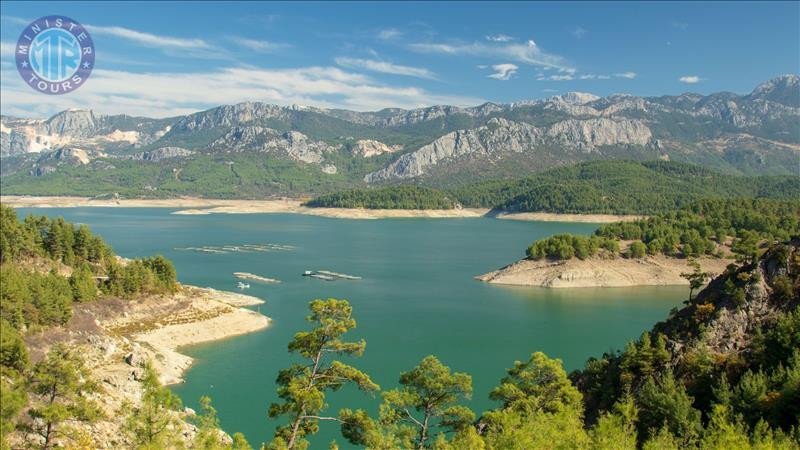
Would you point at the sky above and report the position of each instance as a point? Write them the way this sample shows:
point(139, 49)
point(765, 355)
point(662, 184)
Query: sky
point(161, 59)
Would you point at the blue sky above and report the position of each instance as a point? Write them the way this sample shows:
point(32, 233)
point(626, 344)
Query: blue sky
point(163, 59)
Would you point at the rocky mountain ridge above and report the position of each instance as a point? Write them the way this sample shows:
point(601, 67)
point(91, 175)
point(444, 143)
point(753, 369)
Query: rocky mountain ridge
point(755, 133)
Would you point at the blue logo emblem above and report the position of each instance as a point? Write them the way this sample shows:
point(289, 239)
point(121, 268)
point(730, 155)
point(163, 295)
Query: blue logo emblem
point(55, 55)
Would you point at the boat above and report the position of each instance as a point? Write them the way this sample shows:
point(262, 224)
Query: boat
point(308, 273)
point(243, 285)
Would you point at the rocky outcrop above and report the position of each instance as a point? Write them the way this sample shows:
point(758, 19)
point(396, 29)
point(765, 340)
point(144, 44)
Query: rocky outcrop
point(293, 144)
point(589, 134)
point(367, 148)
point(504, 136)
point(162, 153)
point(784, 89)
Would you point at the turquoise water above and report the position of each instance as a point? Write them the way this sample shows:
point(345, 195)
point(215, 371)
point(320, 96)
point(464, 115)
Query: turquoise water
point(417, 298)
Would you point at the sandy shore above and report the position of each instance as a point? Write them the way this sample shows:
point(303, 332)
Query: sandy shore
point(194, 316)
point(200, 206)
point(597, 272)
point(552, 217)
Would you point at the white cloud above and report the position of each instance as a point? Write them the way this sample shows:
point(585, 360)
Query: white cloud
point(389, 34)
point(385, 67)
point(503, 71)
point(499, 38)
point(159, 94)
point(526, 53)
point(628, 75)
point(260, 46)
point(7, 49)
point(550, 91)
point(150, 40)
point(579, 32)
point(561, 78)
point(690, 79)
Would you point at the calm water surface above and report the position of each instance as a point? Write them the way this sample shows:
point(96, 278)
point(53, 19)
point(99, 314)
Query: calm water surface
point(417, 298)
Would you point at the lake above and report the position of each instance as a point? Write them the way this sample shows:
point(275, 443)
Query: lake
point(417, 297)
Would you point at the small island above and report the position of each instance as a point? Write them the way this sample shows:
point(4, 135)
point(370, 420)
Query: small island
point(694, 243)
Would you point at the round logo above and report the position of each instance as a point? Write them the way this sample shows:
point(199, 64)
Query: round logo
point(54, 55)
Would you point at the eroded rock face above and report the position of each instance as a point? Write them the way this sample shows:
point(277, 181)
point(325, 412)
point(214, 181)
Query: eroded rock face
point(592, 133)
point(367, 148)
point(505, 136)
point(294, 144)
point(162, 154)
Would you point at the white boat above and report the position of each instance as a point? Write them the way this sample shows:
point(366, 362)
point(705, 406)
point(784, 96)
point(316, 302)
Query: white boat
point(243, 285)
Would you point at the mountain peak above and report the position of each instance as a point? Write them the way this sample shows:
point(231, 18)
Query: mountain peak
point(784, 89)
point(578, 98)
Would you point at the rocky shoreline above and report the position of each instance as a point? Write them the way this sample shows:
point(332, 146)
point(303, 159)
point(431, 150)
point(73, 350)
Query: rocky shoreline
point(600, 272)
point(116, 337)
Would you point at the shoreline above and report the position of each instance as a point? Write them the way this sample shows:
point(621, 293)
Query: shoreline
point(194, 316)
point(598, 272)
point(201, 206)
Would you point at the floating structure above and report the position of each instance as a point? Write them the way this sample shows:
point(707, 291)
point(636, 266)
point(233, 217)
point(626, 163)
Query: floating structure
point(327, 275)
point(343, 276)
point(254, 277)
point(239, 248)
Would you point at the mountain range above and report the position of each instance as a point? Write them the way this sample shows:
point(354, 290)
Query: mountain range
point(254, 149)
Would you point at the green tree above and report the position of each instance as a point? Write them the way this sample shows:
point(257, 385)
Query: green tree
point(539, 384)
point(637, 249)
point(433, 391)
point(59, 386)
point(154, 424)
point(664, 402)
point(84, 288)
point(302, 387)
point(696, 278)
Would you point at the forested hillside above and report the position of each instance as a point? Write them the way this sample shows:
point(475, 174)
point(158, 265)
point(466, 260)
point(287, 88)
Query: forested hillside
point(603, 187)
point(50, 400)
point(397, 197)
point(704, 227)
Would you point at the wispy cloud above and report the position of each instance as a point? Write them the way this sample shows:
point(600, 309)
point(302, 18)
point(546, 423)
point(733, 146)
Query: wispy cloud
point(389, 34)
point(690, 79)
point(259, 45)
point(628, 75)
point(504, 71)
point(499, 38)
point(385, 67)
point(579, 32)
point(525, 53)
point(679, 25)
point(160, 94)
point(149, 39)
point(7, 49)
point(594, 76)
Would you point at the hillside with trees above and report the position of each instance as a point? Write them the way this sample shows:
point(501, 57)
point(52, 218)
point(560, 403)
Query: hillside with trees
point(398, 197)
point(598, 187)
point(49, 268)
point(701, 228)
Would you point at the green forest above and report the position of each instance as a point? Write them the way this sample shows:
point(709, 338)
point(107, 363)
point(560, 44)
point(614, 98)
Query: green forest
point(600, 187)
point(700, 228)
point(398, 197)
point(682, 385)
